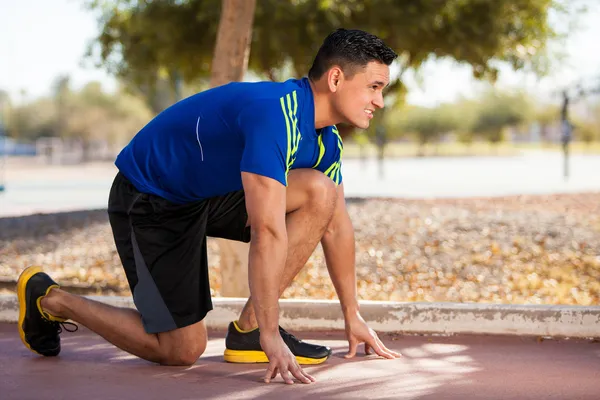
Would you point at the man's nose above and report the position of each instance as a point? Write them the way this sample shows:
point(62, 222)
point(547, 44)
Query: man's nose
point(378, 100)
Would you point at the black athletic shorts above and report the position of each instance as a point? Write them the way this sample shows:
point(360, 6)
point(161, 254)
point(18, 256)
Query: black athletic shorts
point(162, 246)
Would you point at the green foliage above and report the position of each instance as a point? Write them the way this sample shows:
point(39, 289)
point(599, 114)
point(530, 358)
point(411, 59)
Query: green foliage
point(33, 120)
point(154, 46)
point(87, 114)
point(547, 114)
point(426, 124)
point(498, 111)
point(5, 106)
point(144, 40)
point(586, 132)
point(464, 112)
point(465, 137)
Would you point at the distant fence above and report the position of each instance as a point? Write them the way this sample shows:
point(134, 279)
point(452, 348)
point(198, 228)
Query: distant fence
point(63, 151)
point(9, 147)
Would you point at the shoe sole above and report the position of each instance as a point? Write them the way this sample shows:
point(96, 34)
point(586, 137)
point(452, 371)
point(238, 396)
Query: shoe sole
point(21, 294)
point(254, 356)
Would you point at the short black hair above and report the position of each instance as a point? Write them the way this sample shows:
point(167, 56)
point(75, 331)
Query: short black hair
point(350, 48)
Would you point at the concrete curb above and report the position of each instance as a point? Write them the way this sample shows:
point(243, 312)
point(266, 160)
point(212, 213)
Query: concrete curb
point(427, 318)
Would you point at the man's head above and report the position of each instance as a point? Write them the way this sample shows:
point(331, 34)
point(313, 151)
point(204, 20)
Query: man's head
point(354, 66)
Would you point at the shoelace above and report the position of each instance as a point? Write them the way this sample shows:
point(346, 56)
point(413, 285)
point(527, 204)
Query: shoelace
point(63, 325)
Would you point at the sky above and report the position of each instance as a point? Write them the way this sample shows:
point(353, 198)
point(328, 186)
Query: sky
point(42, 39)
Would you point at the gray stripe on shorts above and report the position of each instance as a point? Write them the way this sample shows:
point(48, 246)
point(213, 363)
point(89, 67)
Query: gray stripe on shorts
point(146, 297)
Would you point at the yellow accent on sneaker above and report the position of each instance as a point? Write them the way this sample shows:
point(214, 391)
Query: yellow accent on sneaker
point(21, 285)
point(240, 330)
point(46, 315)
point(254, 356)
point(21, 295)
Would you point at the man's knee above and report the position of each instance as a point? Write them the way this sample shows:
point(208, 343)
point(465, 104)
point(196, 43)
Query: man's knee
point(183, 346)
point(182, 353)
point(323, 195)
point(320, 188)
point(313, 189)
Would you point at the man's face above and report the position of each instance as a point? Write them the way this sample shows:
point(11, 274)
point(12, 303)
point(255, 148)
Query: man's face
point(356, 99)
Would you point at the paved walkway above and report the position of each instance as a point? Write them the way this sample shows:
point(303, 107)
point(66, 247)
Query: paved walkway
point(32, 187)
point(462, 367)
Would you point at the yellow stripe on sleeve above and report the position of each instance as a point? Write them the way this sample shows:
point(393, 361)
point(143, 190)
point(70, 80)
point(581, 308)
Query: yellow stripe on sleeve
point(328, 170)
point(340, 142)
point(289, 139)
point(292, 106)
point(321, 151)
point(296, 120)
point(335, 171)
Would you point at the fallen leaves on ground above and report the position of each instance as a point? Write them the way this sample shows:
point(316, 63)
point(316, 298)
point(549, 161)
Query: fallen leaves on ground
point(520, 250)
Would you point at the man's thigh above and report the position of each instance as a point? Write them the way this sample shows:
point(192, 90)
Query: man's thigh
point(228, 217)
point(227, 214)
point(163, 250)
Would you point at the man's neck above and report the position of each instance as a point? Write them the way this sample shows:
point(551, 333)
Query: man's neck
point(324, 115)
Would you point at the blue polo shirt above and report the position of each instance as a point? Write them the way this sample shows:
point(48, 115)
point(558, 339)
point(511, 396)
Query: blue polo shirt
point(197, 148)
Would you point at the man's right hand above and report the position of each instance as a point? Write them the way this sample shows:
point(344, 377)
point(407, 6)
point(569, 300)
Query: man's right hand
point(282, 361)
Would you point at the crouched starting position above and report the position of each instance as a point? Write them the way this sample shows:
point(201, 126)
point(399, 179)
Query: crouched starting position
point(253, 162)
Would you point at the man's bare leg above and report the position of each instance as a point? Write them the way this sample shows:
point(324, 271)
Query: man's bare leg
point(123, 328)
point(311, 198)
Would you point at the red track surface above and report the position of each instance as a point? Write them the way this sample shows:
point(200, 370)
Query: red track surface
point(461, 367)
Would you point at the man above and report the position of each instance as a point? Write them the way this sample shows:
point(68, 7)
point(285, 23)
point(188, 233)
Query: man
point(244, 160)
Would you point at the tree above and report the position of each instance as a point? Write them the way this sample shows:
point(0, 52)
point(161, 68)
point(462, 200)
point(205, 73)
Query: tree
point(230, 62)
point(498, 111)
point(61, 91)
point(587, 126)
point(5, 106)
point(586, 132)
point(87, 115)
point(30, 121)
point(232, 48)
point(428, 124)
point(546, 116)
point(142, 39)
point(464, 114)
point(97, 116)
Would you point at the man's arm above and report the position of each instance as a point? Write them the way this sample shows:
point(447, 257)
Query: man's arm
point(339, 248)
point(265, 203)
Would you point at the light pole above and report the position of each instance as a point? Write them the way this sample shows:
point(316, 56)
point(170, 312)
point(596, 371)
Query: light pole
point(566, 127)
point(3, 148)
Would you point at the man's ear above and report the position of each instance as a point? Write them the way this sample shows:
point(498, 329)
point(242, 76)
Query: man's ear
point(334, 77)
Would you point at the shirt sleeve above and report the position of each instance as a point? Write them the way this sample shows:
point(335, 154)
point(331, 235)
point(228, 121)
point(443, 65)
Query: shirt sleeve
point(331, 149)
point(270, 130)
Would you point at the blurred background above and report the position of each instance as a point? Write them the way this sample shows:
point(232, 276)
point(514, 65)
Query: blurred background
point(479, 181)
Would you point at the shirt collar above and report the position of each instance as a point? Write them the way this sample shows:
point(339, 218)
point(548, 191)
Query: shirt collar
point(308, 109)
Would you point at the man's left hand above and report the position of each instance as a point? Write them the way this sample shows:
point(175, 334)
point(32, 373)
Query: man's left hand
point(358, 332)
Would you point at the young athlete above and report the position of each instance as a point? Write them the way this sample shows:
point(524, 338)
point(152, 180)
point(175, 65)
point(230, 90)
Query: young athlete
point(253, 162)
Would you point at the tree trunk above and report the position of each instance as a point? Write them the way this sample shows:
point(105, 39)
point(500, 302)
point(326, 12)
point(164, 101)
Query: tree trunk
point(232, 49)
point(234, 268)
point(230, 62)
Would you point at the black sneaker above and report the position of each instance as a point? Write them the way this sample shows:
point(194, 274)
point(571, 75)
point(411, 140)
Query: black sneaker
point(39, 331)
point(244, 347)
